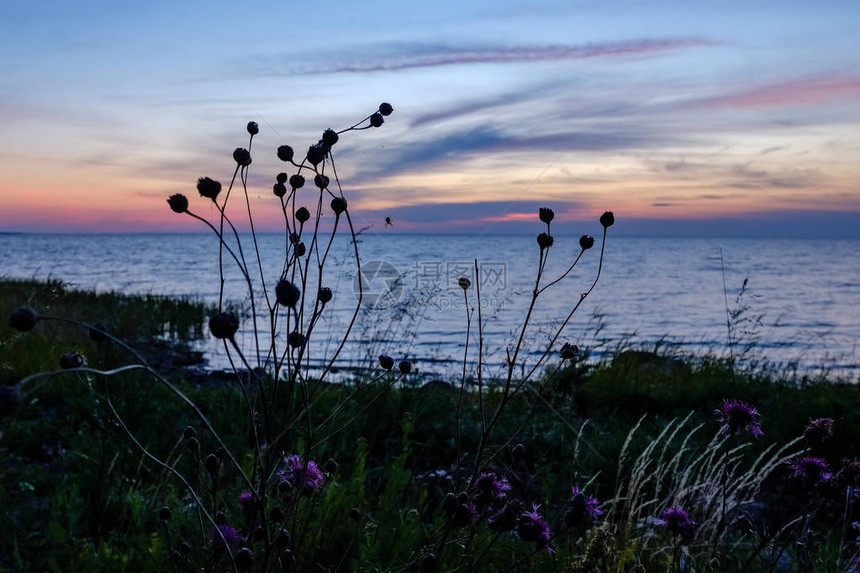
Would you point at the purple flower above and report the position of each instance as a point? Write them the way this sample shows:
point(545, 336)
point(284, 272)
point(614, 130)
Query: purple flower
point(490, 487)
point(224, 533)
point(301, 475)
point(246, 498)
point(811, 469)
point(677, 521)
point(819, 430)
point(506, 518)
point(736, 416)
point(531, 526)
point(592, 505)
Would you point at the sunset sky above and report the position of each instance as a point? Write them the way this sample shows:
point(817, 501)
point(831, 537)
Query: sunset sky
point(690, 118)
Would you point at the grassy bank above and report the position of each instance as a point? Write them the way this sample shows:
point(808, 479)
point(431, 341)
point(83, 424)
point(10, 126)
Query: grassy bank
point(77, 494)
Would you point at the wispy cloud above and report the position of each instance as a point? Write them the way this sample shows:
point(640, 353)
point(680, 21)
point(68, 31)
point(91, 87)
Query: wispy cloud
point(410, 56)
point(791, 93)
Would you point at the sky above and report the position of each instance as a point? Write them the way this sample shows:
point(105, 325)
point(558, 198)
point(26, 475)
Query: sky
point(691, 118)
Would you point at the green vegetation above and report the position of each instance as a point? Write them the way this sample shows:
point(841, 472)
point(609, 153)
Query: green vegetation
point(76, 494)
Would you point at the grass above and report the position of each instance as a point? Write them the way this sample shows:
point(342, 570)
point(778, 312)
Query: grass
point(77, 495)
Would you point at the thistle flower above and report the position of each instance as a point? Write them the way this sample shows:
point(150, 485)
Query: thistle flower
point(736, 416)
point(386, 362)
point(224, 325)
point(253, 128)
point(285, 153)
point(385, 109)
point(301, 475)
point(607, 219)
point(222, 534)
point(587, 504)
point(208, 188)
point(178, 203)
point(489, 487)
point(506, 518)
point(819, 430)
point(677, 522)
point(810, 469)
point(586, 242)
point(546, 214)
point(246, 498)
point(242, 156)
point(24, 319)
point(532, 527)
point(287, 293)
point(330, 137)
point(376, 119)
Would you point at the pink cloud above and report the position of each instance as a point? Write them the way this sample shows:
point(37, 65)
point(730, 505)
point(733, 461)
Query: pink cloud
point(509, 217)
point(799, 92)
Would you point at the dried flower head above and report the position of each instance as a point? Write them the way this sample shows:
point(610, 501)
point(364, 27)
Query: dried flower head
point(296, 339)
point(677, 522)
point(285, 153)
point(385, 109)
point(810, 469)
point(532, 527)
point(223, 325)
point(321, 180)
point(324, 295)
point(242, 156)
point(546, 214)
point(405, 367)
point(338, 205)
point(464, 283)
point(300, 249)
point(586, 242)
point(545, 241)
point(819, 430)
point(72, 360)
point(208, 188)
point(302, 215)
point(376, 119)
point(279, 189)
point(287, 293)
point(302, 475)
point(330, 137)
point(253, 128)
point(24, 319)
point(281, 178)
point(569, 351)
point(607, 219)
point(297, 181)
point(507, 517)
point(386, 362)
point(178, 203)
point(737, 416)
point(316, 154)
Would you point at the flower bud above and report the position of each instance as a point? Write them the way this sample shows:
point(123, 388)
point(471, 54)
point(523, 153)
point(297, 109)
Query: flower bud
point(97, 332)
point(244, 559)
point(316, 155)
point(189, 432)
point(212, 463)
point(464, 283)
point(164, 513)
point(385, 108)
point(297, 181)
point(193, 444)
point(331, 466)
point(253, 128)
point(321, 181)
point(72, 360)
point(178, 203)
point(607, 219)
point(279, 189)
point(208, 188)
point(569, 351)
point(281, 178)
point(330, 137)
point(324, 295)
point(296, 339)
point(405, 367)
point(220, 518)
point(376, 119)
point(545, 241)
point(386, 362)
point(285, 153)
point(23, 319)
point(586, 242)
point(223, 325)
point(338, 205)
point(288, 294)
point(302, 214)
point(546, 214)
point(242, 156)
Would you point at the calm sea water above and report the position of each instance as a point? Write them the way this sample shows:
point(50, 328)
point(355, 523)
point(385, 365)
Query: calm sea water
point(801, 301)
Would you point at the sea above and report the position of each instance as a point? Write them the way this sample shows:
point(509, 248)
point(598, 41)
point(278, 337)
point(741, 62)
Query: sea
point(791, 304)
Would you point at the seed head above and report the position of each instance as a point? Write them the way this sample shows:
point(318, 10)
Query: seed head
point(24, 319)
point(193, 444)
point(385, 109)
point(607, 219)
point(324, 295)
point(302, 214)
point(253, 128)
point(297, 181)
point(178, 203)
point(546, 214)
point(321, 180)
point(405, 367)
point(376, 119)
point(208, 188)
point(212, 463)
point(288, 294)
point(223, 325)
point(285, 153)
point(338, 205)
point(279, 189)
point(586, 242)
point(545, 241)
point(72, 360)
point(189, 432)
point(464, 283)
point(281, 178)
point(300, 249)
point(569, 351)
point(386, 361)
point(244, 559)
point(242, 156)
point(316, 154)
point(296, 339)
point(330, 137)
